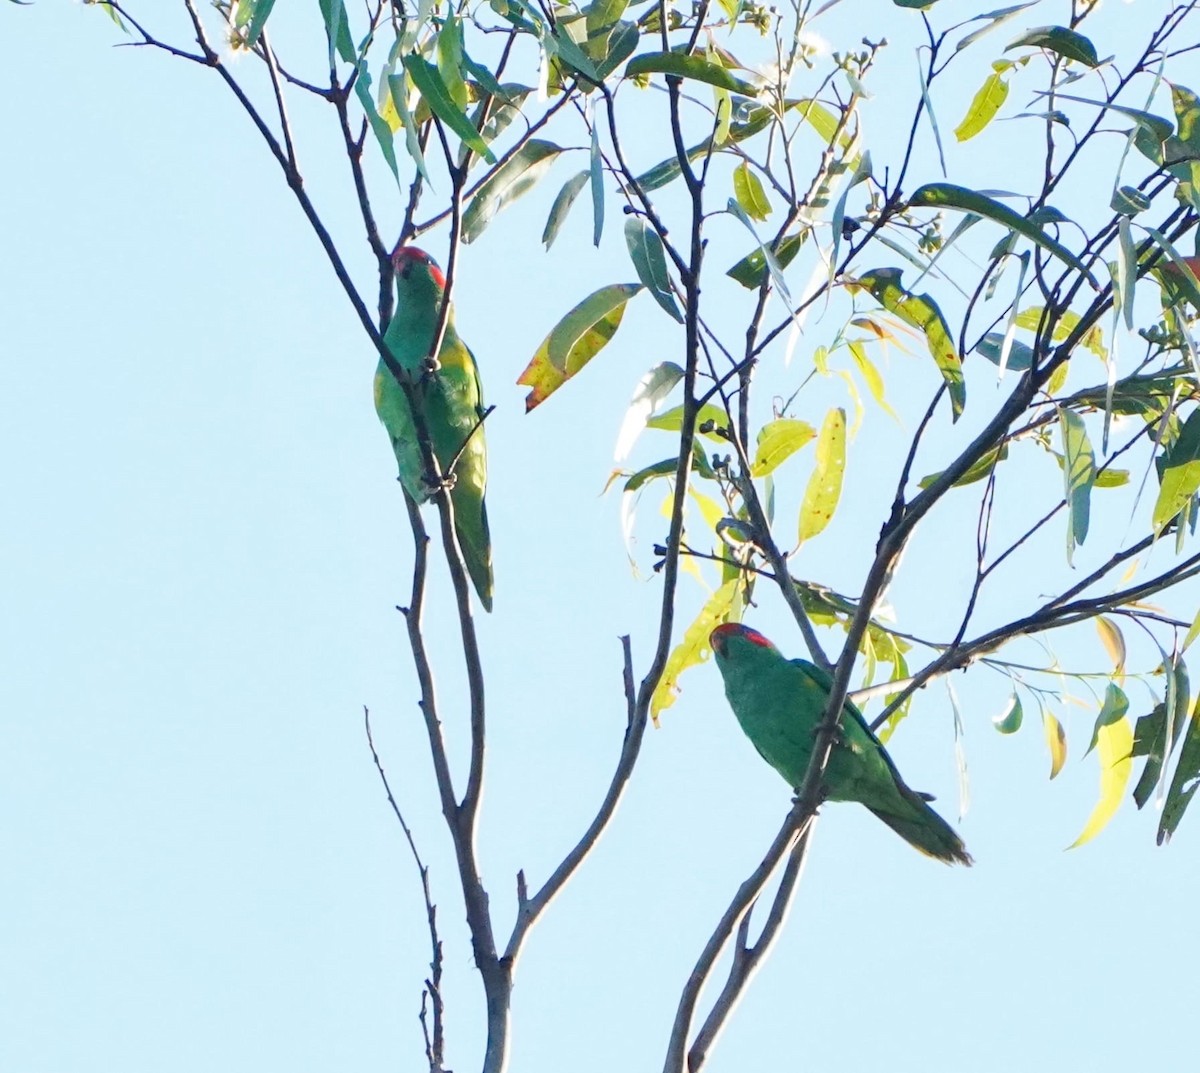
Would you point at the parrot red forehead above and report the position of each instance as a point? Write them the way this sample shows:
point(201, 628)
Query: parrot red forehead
point(403, 255)
point(736, 629)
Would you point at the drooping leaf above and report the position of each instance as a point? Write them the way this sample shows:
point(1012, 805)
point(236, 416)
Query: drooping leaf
point(1079, 474)
point(871, 375)
point(1150, 741)
point(694, 67)
point(1114, 740)
point(1114, 707)
point(1009, 720)
point(337, 29)
point(693, 648)
point(920, 311)
point(777, 440)
point(1113, 641)
point(949, 196)
point(262, 9)
point(596, 176)
point(1184, 782)
point(575, 340)
point(450, 61)
point(434, 92)
point(655, 386)
point(562, 205)
point(646, 252)
point(986, 103)
point(825, 485)
point(379, 126)
point(1069, 44)
point(516, 176)
point(1181, 475)
point(1056, 742)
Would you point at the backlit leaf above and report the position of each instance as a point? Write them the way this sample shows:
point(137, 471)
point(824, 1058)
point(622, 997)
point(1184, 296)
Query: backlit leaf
point(777, 440)
point(1113, 743)
point(575, 340)
point(922, 312)
point(1056, 742)
point(986, 103)
point(825, 485)
point(1181, 474)
point(693, 648)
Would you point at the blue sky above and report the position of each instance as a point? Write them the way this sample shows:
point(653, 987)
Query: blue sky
point(205, 547)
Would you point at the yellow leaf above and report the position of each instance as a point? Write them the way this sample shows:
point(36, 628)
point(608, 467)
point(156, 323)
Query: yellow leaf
point(825, 485)
point(1113, 641)
point(1056, 739)
point(1113, 745)
point(693, 648)
point(776, 441)
point(984, 107)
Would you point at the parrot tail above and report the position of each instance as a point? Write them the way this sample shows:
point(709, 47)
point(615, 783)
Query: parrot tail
point(924, 829)
point(475, 541)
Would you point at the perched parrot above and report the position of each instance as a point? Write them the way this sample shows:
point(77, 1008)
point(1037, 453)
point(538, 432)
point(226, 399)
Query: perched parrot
point(452, 401)
point(779, 703)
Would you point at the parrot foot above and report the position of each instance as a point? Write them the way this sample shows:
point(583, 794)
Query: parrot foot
point(430, 368)
point(448, 481)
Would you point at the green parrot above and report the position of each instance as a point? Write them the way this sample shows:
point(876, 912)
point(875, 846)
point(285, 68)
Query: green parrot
point(452, 401)
point(779, 703)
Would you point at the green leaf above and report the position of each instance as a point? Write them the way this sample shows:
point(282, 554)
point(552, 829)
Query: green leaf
point(622, 43)
point(1181, 475)
point(602, 15)
point(751, 270)
point(1079, 472)
point(693, 649)
point(977, 472)
point(1009, 720)
point(825, 485)
point(337, 30)
point(412, 141)
point(650, 261)
point(1113, 743)
point(262, 9)
point(575, 340)
point(922, 312)
point(777, 440)
point(1020, 355)
point(379, 126)
point(949, 196)
point(1058, 39)
point(986, 103)
point(1184, 782)
point(450, 62)
point(672, 420)
point(434, 92)
point(772, 265)
point(748, 189)
point(516, 176)
point(1150, 741)
point(562, 205)
point(596, 174)
point(693, 67)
